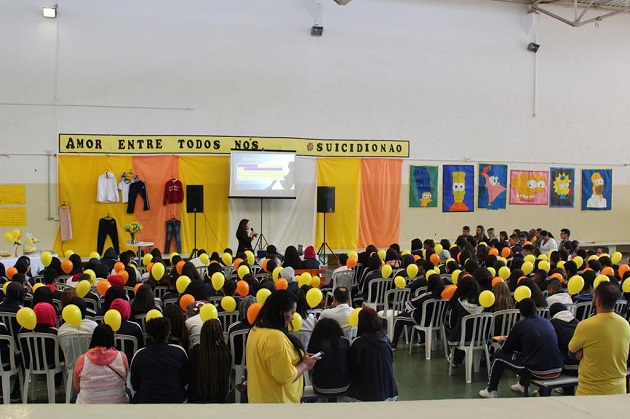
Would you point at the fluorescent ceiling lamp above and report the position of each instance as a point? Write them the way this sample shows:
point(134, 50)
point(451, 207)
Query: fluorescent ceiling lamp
point(50, 12)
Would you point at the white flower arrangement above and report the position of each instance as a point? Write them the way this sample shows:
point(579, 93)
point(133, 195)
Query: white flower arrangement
point(132, 228)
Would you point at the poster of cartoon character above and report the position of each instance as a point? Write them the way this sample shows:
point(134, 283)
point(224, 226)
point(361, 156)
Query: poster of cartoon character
point(423, 182)
point(562, 190)
point(458, 193)
point(596, 189)
point(492, 186)
point(529, 187)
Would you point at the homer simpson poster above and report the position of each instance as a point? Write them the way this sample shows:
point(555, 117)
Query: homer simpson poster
point(423, 186)
point(458, 193)
point(596, 189)
point(529, 187)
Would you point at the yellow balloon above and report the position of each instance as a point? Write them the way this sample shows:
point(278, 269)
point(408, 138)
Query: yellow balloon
point(486, 299)
point(6, 284)
point(95, 255)
point(405, 252)
point(616, 257)
point(550, 252)
point(560, 264)
point(172, 256)
point(113, 319)
point(296, 323)
point(353, 254)
point(592, 257)
point(228, 303)
point(250, 257)
point(600, 279)
point(157, 271)
point(35, 287)
point(455, 276)
point(544, 265)
point(578, 261)
point(218, 280)
point(72, 315)
point(16, 234)
point(575, 284)
point(316, 282)
point(8, 236)
point(625, 287)
point(502, 259)
point(83, 288)
point(207, 312)
point(314, 297)
point(227, 259)
point(91, 273)
point(204, 258)
point(438, 248)
point(26, 318)
point(46, 258)
point(262, 294)
point(399, 281)
point(182, 283)
point(504, 272)
point(303, 280)
point(153, 314)
point(527, 268)
point(492, 271)
point(522, 292)
point(386, 271)
point(147, 258)
point(430, 272)
point(529, 258)
point(68, 254)
point(307, 276)
point(381, 254)
point(412, 270)
point(542, 257)
point(276, 273)
point(353, 319)
point(242, 271)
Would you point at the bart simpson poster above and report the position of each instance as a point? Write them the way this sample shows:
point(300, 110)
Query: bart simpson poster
point(529, 187)
point(562, 190)
point(423, 182)
point(492, 186)
point(458, 183)
point(596, 190)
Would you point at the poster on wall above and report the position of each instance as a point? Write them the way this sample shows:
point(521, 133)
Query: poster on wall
point(562, 190)
point(423, 182)
point(492, 184)
point(596, 189)
point(529, 187)
point(458, 188)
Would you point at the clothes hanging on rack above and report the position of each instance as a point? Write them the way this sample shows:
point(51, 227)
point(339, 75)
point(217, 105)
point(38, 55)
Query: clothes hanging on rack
point(107, 227)
point(66, 223)
point(137, 188)
point(173, 230)
point(173, 192)
point(106, 190)
point(123, 186)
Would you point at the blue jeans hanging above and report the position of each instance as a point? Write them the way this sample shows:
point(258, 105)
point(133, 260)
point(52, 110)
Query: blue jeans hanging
point(173, 228)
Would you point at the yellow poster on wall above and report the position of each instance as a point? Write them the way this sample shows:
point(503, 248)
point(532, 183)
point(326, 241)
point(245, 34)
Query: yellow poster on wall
point(13, 217)
point(12, 194)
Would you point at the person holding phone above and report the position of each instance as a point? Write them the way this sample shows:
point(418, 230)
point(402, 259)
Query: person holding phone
point(244, 234)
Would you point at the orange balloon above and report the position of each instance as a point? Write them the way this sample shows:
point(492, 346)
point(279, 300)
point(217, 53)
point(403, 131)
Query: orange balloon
point(351, 263)
point(505, 252)
point(119, 266)
point(12, 271)
point(493, 251)
point(124, 275)
point(242, 288)
point(496, 280)
point(282, 284)
point(180, 266)
point(263, 264)
point(518, 281)
point(237, 262)
point(608, 271)
point(448, 292)
point(623, 269)
point(149, 266)
point(559, 277)
point(527, 242)
point(102, 287)
point(185, 301)
point(67, 266)
point(252, 312)
point(135, 289)
point(435, 259)
point(416, 258)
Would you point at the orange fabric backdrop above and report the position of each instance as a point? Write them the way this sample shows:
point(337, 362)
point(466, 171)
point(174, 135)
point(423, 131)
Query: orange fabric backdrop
point(379, 219)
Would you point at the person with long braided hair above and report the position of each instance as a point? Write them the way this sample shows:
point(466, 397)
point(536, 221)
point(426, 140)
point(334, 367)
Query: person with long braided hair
point(209, 366)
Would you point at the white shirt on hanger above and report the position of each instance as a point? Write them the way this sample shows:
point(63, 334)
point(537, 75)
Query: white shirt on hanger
point(123, 187)
point(106, 188)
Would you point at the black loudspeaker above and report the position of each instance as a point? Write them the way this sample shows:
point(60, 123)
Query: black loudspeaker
point(194, 198)
point(326, 199)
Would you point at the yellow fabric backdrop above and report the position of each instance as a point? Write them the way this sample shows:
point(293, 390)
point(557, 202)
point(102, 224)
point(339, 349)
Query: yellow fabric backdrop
point(342, 226)
point(212, 226)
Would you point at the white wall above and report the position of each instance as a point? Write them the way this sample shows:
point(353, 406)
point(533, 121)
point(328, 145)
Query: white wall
point(452, 76)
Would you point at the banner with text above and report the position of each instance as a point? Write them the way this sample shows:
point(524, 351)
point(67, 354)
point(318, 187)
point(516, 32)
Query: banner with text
point(177, 144)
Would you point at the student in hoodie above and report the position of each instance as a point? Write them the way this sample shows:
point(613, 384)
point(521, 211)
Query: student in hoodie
point(371, 362)
point(109, 258)
point(464, 302)
point(100, 374)
point(564, 323)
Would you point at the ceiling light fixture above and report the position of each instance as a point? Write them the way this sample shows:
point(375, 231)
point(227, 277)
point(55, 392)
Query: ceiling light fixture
point(50, 12)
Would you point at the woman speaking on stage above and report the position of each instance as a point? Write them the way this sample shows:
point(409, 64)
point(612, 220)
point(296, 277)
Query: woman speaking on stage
point(244, 235)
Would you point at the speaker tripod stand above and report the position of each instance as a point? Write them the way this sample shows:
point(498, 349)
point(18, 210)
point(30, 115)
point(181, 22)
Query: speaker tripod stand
point(321, 252)
point(261, 243)
point(195, 251)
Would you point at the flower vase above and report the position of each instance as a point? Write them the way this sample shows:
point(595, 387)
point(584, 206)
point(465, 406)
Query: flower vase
point(16, 251)
point(133, 238)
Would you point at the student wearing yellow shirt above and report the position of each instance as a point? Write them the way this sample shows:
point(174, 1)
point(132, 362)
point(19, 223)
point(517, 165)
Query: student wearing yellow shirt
point(276, 360)
point(601, 345)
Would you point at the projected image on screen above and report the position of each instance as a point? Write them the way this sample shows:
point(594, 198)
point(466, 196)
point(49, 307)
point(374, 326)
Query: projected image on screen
point(262, 174)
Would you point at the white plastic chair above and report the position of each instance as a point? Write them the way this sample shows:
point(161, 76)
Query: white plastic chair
point(72, 347)
point(480, 326)
point(226, 319)
point(10, 321)
point(123, 342)
point(340, 279)
point(437, 310)
point(160, 291)
point(170, 301)
point(14, 368)
point(395, 300)
point(504, 320)
point(33, 348)
point(621, 307)
point(350, 333)
point(239, 366)
point(584, 310)
point(543, 312)
point(376, 293)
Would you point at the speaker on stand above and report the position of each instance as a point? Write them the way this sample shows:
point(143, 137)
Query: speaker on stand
point(194, 204)
point(325, 205)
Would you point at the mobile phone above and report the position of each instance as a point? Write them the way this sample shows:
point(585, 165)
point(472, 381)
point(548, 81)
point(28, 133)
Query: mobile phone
point(318, 354)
